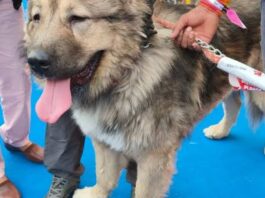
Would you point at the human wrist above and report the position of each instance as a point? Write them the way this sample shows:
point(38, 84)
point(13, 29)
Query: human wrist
point(215, 6)
point(207, 11)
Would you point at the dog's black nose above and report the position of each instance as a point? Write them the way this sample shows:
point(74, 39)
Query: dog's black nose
point(39, 61)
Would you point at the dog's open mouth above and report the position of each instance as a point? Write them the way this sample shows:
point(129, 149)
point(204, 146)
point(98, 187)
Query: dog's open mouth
point(56, 98)
point(86, 74)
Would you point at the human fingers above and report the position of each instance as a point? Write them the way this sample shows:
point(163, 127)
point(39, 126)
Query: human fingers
point(179, 26)
point(165, 23)
point(192, 40)
point(187, 35)
point(179, 38)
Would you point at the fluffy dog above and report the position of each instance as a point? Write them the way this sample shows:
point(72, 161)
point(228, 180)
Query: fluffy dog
point(135, 93)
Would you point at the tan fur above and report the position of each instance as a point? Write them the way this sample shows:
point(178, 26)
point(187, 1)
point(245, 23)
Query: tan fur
point(140, 101)
point(108, 167)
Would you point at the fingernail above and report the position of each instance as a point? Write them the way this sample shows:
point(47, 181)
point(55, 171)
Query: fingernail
point(189, 29)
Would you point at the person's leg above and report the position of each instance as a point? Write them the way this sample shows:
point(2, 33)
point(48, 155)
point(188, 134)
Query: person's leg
point(14, 80)
point(63, 151)
point(7, 189)
point(15, 87)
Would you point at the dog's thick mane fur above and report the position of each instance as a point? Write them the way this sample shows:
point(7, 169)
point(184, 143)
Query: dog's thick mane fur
point(141, 102)
point(188, 89)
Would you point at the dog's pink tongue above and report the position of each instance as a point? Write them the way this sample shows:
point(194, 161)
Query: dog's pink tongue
point(55, 100)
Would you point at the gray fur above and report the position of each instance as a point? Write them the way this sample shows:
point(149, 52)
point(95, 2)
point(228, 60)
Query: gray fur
point(140, 102)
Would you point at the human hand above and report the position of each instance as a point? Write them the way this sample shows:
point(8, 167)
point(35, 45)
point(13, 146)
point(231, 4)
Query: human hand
point(198, 23)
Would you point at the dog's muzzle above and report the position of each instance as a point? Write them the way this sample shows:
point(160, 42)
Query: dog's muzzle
point(39, 62)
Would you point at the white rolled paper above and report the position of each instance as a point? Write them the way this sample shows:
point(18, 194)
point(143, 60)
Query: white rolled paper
point(238, 84)
point(243, 71)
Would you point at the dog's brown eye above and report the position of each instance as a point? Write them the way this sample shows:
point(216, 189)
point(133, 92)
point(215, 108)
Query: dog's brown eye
point(36, 17)
point(77, 19)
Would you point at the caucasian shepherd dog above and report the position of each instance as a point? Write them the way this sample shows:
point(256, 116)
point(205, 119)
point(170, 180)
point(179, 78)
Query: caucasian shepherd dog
point(134, 92)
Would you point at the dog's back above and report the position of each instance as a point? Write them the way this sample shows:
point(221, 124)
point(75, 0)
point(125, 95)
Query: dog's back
point(242, 45)
point(229, 37)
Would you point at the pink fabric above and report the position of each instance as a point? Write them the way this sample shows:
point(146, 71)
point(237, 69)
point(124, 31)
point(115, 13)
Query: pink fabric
point(15, 85)
point(234, 18)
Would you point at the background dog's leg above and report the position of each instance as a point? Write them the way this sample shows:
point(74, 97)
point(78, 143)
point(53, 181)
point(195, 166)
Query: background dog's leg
point(256, 105)
point(231, 106)
point(108, 166)
point(154, 174)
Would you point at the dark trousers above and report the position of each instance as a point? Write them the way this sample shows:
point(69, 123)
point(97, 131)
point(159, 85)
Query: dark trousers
point(64, 147)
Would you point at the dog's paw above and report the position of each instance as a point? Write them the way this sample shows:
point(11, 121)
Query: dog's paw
point(92, 192)
point(217, 131)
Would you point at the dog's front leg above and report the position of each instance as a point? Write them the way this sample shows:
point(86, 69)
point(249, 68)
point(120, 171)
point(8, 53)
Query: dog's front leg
point(108, 166)
point(154, 174)
point(231, 107)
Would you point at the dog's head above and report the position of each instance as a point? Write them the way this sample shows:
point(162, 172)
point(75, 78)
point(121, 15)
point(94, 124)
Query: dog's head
point(85, 40)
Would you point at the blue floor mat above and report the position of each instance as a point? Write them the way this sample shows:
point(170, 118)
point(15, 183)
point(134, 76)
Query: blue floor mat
point(233, 167)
